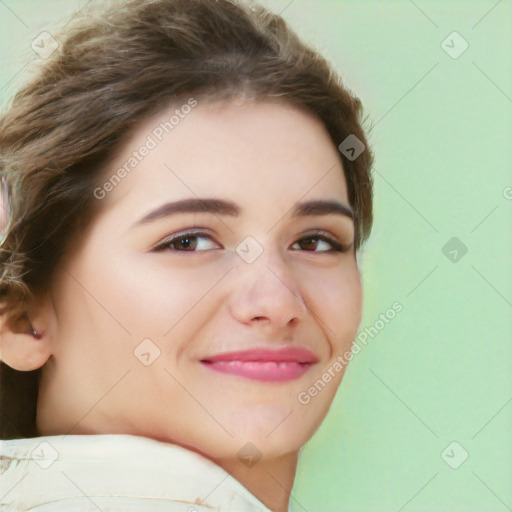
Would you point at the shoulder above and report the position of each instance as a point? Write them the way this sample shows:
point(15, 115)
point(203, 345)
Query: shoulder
point(115, 473)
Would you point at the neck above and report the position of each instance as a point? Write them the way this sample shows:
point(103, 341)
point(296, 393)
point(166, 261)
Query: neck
point(271, 481)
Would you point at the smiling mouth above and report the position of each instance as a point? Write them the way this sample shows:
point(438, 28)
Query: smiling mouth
point(263, 365)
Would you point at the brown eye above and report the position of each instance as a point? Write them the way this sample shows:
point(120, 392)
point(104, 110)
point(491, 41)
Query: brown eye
point(187, 242)
point(184, 243)
point(319, 243)
point(309, 244)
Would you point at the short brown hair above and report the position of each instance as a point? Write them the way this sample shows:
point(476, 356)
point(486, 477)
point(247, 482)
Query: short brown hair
point(114, 67)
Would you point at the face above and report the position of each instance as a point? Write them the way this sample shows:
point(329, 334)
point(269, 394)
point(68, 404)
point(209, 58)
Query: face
point(216, 286)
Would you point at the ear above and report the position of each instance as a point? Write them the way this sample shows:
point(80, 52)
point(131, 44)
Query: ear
point(20, 348)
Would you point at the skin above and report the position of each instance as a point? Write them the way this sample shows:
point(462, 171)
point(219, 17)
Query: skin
point(114, 290)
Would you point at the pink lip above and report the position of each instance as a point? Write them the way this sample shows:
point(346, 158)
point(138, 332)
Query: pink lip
point(264, 364)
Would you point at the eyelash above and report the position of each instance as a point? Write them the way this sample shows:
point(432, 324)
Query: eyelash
point(165, 244)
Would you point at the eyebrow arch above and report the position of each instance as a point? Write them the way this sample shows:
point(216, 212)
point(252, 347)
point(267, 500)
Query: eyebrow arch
point(223, 207)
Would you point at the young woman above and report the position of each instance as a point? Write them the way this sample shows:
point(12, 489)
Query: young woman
point(190, 185)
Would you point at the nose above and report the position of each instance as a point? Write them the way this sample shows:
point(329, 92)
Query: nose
point(267, 293)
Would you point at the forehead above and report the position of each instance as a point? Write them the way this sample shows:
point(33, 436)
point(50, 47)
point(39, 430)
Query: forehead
point(252, 153)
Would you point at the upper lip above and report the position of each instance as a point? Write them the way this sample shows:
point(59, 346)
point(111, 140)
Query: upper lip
point(265, 355)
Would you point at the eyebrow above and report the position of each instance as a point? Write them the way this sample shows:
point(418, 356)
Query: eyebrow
point(228, 208)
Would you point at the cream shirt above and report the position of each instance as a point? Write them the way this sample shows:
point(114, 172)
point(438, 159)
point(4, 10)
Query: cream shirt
point(114, 473)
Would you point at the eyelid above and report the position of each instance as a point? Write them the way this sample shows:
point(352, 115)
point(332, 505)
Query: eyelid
point(333, 240)
point(196, 232)
point(337, 245)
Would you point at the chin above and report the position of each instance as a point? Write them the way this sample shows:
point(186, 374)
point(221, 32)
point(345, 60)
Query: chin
point(274, 429)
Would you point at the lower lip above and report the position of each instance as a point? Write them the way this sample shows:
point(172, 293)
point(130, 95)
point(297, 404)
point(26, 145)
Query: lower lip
point(259, 370)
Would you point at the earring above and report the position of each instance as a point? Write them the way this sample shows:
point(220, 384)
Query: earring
point(37, 335)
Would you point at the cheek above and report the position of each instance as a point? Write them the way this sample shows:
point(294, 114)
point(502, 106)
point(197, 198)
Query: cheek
point(336, 300)
point(150, 295)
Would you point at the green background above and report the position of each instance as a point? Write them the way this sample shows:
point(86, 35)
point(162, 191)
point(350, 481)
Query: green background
point(440, 371)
